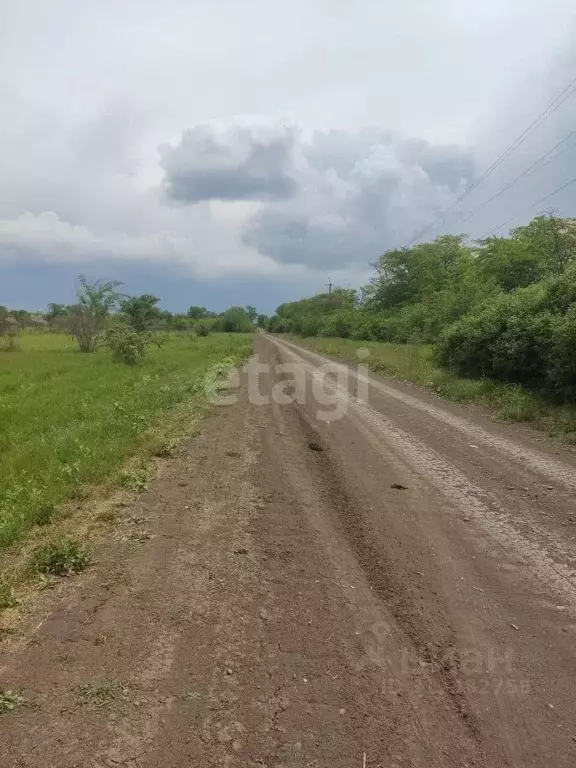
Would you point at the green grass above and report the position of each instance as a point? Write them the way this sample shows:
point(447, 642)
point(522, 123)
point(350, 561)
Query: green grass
point(68, 420)
point(415, 362)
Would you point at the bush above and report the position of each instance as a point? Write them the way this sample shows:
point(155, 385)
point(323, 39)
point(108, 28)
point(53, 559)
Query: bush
point(278, 324)
point(127, 345)
point(235, 320)
point(61, 558)
point(337, 326)
point(561, 358)
point(202, 329)
point(10, 343)
point(310, 326)
point(526, 337)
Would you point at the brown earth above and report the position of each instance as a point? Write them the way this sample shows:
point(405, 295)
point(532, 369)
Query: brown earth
point(369, 576)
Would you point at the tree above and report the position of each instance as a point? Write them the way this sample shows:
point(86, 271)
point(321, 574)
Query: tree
point(197, 313)
point(96, 300)
point(57, 310)
point(262, 321)
point(235, 320)
point(407, 275)
point(141, 311)
point(252, 313)
point(508, 262)
point(180, 322)
point(551, 239)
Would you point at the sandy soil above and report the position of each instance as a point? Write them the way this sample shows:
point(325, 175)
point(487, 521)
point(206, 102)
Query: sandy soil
point(378, 579)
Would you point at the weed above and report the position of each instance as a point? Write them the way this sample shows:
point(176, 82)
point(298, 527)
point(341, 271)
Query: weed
point(165, 447)
point(61, 558)
point(7, 597)
point(134, 479)
point(46, 514)
point(10, 701)
point(47, 581)
point(97, 695)
point(518, 405)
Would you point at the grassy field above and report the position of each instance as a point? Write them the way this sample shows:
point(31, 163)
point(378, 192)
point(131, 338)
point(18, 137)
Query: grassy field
point(68, 420)
point(416, 363)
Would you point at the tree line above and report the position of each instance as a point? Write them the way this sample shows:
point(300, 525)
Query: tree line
point(102, 314)
point(500, 307)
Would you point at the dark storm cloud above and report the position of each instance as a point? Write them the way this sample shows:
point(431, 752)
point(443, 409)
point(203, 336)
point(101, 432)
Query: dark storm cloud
point(339, 198)
point(358, 195)
point(236, 162)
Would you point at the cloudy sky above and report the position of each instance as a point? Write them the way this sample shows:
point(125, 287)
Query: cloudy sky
point(217, 152)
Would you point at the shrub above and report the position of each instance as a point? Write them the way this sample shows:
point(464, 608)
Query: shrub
point(61, 557)
point(337, 326)
point(127, 345)
point(236, 320)
point(202, 329)
point(526, 337)
point(561, 357)
point(310, 326)
point(10, 344)
point(277, 324)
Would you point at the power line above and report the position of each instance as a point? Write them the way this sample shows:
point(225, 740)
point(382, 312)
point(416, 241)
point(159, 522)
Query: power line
point(525, 173)
point(519, 213)
point(555, 104)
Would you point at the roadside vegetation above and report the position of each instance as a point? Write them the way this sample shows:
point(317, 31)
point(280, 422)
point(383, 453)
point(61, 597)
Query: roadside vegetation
point(492, 321)
point(87, 386)
point(417, 363)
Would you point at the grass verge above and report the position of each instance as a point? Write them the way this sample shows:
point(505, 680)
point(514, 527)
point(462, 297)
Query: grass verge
point(69, 421)
point(414, 362)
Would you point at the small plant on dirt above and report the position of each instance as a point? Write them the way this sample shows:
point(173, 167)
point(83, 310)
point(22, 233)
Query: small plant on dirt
point(47, 581)
point(127, 345)
point(97, 695)
point(165, 447)
point(7, 597)
point(61, 558)
point(134, 479)
point(10, 700)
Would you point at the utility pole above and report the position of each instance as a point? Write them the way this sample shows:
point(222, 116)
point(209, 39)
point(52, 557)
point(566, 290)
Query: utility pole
point(329, 284)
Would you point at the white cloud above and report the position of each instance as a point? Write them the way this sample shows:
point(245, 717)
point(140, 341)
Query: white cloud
point(94, 90)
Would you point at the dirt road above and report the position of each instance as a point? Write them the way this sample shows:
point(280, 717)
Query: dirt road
point(369, 576)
